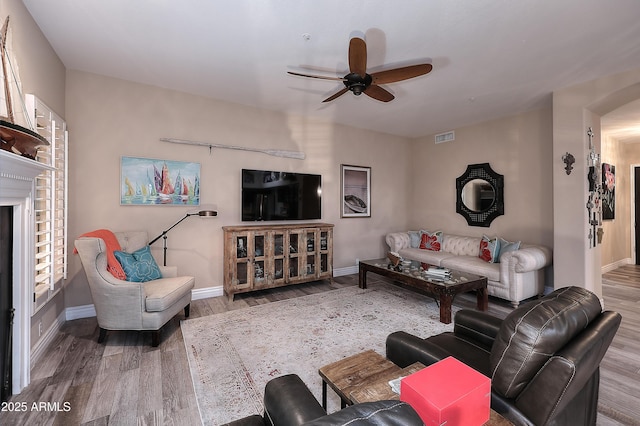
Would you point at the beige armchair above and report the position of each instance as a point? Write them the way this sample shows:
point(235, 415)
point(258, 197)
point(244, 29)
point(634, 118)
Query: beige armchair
point(124, 305)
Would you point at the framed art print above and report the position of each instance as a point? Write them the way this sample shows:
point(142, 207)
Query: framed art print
point(356, 191)
point(147, 181)
point(608, 191)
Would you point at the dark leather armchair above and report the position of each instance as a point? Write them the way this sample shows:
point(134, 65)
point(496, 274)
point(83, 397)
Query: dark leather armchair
point(289, 402)
point(543, 358)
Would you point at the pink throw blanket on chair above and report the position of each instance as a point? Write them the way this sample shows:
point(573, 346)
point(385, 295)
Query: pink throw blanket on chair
point(112, 244)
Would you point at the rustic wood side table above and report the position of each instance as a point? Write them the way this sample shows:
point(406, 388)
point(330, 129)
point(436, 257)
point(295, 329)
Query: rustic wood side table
point(365, 377)
point(347, 374)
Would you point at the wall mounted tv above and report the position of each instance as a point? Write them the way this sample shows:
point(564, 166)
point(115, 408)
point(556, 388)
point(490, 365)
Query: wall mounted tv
point(269, 195)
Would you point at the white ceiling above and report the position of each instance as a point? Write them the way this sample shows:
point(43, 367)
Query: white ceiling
point(490, 58)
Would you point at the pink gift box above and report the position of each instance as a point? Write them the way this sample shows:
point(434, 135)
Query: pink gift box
point(448, 392)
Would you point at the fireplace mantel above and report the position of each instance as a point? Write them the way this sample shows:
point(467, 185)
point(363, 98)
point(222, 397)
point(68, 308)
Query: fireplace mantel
point(17, 189)
point(20, 168)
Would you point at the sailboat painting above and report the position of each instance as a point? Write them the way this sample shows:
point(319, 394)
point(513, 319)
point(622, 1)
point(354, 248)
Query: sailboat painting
point(147, 181)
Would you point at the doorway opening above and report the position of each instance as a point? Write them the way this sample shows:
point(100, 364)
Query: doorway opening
point(636, 213)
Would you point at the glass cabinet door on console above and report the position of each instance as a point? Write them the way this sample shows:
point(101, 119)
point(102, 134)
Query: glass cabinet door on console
point(325, 253)
point(295, 250)
point(249, 265)
point(258, 257)
point(276, 263)
point(241, 264)
point(310, 252)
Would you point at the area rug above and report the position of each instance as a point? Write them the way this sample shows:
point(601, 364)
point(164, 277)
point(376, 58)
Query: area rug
point(233, 355)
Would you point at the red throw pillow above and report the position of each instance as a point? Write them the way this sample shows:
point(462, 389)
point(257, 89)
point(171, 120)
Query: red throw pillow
point(489, 249)
point(431, 240)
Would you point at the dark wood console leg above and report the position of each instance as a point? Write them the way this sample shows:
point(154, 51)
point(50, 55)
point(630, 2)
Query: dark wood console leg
point(103, 335)
point(445, 308)
point(187, 310)
point(362, 277)
point(482, 296)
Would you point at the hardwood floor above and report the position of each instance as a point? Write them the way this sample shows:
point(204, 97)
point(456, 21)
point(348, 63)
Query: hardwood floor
point(620, 368)
point(128, 382)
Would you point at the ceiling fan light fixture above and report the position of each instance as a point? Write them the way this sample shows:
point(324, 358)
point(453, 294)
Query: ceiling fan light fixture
point(357, 88)
point(356, 83)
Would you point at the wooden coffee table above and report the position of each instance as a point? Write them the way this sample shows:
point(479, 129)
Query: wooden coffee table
point(412, 276)
point(365, 377)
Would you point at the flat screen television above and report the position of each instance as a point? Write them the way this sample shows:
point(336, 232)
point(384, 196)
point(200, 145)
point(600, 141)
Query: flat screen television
point(270, 195)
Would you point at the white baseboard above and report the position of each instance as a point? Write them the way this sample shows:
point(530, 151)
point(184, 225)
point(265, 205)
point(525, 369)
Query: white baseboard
point(77, 312)
point(205, 293)
point(619, 263)
point(45, 340)
point(347, 270)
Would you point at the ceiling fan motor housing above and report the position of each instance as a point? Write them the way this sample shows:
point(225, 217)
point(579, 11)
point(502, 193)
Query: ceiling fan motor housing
point(357, 83)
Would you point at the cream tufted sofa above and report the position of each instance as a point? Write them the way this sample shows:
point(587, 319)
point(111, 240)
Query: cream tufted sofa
point(518, 276)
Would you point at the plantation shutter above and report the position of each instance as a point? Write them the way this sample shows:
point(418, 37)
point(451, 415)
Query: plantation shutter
point(50, 202)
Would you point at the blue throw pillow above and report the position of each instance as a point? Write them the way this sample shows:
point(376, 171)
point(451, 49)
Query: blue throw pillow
point(139, 266)
point(414, 238)
point(507, 246)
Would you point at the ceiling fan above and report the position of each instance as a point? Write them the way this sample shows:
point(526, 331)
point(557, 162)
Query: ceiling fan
point(358, 81)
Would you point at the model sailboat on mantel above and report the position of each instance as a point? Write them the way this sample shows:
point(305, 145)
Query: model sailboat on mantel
point(17, 134)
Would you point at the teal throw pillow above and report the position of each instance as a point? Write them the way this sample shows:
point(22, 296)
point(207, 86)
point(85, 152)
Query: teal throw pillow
point(139, 266)
point(414, 238)
point(506, 246)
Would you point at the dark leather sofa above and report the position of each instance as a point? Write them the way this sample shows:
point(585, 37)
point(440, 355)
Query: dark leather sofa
point(543, 358)
point(289, 402)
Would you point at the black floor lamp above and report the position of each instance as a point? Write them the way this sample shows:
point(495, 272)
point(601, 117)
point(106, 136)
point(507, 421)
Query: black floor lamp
point(202, 213)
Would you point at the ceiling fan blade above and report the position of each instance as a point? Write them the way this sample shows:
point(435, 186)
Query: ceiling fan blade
point(316, 76)
point(358, 56)
point(340, 93)
point(378, 93)
point(399, 74)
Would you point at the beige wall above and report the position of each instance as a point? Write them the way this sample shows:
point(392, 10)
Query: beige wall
point(41, 71)
point(617, 242)
point(110, 118)
point(518, 147)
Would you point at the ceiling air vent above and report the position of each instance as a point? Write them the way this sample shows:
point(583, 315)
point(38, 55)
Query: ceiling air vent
point(446, 137)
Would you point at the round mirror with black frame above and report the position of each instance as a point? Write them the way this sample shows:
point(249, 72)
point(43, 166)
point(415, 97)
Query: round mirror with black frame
point(480, 194)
